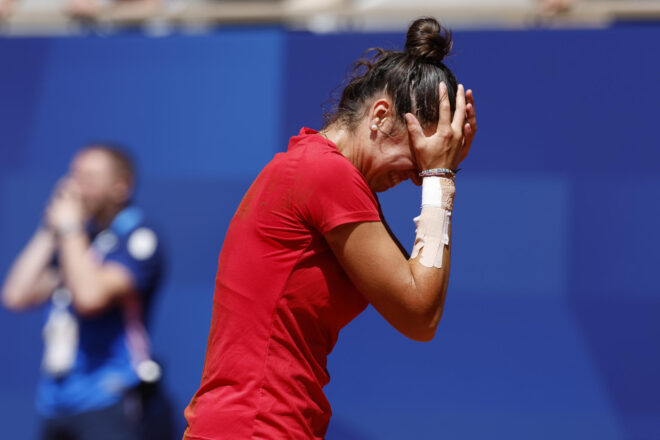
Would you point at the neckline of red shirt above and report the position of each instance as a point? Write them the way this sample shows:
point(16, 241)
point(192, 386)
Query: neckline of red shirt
point(306, 131)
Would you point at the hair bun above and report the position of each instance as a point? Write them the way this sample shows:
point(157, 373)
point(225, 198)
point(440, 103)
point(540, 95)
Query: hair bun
point(427, 39)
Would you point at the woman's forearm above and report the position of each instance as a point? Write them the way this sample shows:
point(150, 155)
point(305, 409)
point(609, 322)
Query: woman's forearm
point(431, 283)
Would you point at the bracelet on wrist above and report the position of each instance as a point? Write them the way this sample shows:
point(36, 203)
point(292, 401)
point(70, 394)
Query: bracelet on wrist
point(440, 172)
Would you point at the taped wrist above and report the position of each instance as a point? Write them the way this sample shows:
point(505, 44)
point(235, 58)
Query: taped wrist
point(432, 233)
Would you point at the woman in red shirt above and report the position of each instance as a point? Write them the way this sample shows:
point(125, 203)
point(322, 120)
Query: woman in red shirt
point(307, 249)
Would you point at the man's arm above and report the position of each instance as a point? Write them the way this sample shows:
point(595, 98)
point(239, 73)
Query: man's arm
point(94, 286)
point(31, 280)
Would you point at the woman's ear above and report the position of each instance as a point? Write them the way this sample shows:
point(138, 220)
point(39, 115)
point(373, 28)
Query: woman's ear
point(380, 112)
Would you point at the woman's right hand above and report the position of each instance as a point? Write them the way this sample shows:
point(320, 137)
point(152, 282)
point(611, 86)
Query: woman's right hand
point(449, 144)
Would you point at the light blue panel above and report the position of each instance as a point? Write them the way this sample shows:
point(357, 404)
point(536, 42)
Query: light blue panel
point(190, 106)
point(509, 233)
point(497, 368)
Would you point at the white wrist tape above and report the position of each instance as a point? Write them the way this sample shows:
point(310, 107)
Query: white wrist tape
point(438, 191)
point(433, 223)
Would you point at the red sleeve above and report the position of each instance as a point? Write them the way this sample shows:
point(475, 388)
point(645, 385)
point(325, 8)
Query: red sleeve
point(338, 194)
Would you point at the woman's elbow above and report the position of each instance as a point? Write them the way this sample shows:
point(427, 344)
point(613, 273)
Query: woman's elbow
point(424, 327)
point(426, 321)
point(424, 315)
point(425, 334)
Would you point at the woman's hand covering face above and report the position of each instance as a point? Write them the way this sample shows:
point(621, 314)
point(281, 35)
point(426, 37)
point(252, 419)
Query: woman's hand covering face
point(451, 142)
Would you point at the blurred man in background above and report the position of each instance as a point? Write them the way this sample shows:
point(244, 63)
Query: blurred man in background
point(96, 264)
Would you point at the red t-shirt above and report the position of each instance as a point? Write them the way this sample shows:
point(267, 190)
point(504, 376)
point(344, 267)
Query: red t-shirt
point(281, 298)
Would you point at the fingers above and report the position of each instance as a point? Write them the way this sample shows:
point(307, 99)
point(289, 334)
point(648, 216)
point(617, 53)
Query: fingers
point(470, 110)
point(469, 96)
point(444, 115)
point(414, 127)
point(66, 190)
point(469, 135)
point(416, 134)
point(470, 125)
point(459, 114)
point(453, 137)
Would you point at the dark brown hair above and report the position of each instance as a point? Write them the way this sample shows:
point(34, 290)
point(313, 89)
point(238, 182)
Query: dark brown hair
point(410, 77)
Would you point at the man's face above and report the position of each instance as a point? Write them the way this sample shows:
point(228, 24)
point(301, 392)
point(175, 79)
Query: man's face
point(96, 178)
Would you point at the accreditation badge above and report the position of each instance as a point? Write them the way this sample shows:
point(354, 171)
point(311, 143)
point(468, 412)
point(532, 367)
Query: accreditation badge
point(60, 336)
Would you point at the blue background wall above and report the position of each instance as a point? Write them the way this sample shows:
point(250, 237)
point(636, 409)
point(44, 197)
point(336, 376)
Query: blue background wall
point(552, 321)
